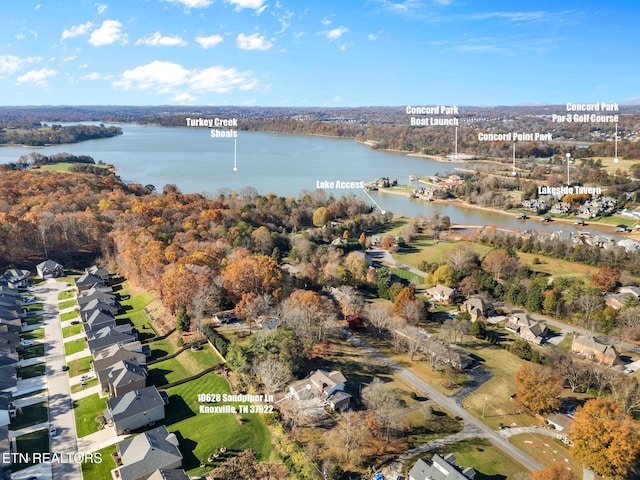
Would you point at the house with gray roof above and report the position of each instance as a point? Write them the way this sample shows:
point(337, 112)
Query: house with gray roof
point(526, 328)
point(16, 278)
point(98, 271)
point(169, 474)
point(87, 281)
point(477, 308)
point(97, 319)
point(143, 454)
point(111, 355)
point(49, 269)
point(135, 409)
point(108, 336)
point(8, 378)
point(97, 304)
point(104, 295)
point(329, 387)
point(588, 347)
point(122, 377)
point(442, 294)
point(440, 469)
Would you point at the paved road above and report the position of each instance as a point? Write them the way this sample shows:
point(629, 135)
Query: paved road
point(60, 405)
point(451, 405)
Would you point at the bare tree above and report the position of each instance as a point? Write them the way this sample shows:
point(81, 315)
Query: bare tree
point(384, 403)
point(45, 222)
point(273, 373)
point(379, 315)
point(626, 393)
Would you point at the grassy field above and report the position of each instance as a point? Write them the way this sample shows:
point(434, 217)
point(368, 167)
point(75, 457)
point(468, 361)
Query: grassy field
point(439, 425)
point(185, 365)
point(33, 319)
point(134, 311)
point(79, 366)
point(34, 351)
point(75, 346)
point(69, 315)
point(425, 249)
point(30, 443)
point(500, 408)
point(86, 410)
point(37, 334)
point(546, 450)
point(31, 371)
point(164, 347)
point(223, 430)
point(102, 470)
point(31, 415)
point(408, 276)
point(71, 330)
point(67, 304)
point(66, 295)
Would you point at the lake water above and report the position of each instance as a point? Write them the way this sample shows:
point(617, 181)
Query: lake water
point(283, 164)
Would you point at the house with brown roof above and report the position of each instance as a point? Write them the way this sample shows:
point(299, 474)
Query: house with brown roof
point(526, 328)
point(588, 347)
point(329, 387)
point(477, 308)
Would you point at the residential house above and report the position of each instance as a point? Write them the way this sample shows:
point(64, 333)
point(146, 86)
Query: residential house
point(135, 409)
point(103, 359)
point(49, 269)
point(108, 336)
point(440, 469)
point(140, 456)
point(122, 377)
point(88, 281)
point(9, 338)
point(8, 378)
point(560, 421)
point(526, 328)
point(98, 271)
point(97, 304)
point(442, 294)
point(98, 319)
point(588, 347)
point(169, 474)
point(16, 278)
point(329, 387)
point(477, 308)
point(617, 300)
point(103, 294)
point(7, 410)
point(5, 444)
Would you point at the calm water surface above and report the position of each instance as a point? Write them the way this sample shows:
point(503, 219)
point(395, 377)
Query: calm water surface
point(283, 164)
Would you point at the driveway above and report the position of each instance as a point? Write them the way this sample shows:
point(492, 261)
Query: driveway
point(60, 405)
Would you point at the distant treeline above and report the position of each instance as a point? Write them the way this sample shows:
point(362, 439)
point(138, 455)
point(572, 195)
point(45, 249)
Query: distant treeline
point(54, 134)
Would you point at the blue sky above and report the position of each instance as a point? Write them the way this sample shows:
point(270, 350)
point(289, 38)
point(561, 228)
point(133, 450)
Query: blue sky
point(318, 53)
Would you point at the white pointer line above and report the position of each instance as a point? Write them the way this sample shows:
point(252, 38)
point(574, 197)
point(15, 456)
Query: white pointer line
point(376, 203)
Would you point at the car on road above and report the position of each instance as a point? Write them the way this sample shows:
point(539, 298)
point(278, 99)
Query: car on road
point(52, 430)
point(65, 368)
point(84, 378)
point(26, 343)
point(75, 322)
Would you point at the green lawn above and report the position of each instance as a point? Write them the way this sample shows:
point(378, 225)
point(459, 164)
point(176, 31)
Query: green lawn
point(162, 348)
point(546, 450)
point(69, 315)
point(33, 351)
point(425, 249)
point(37, 334)
point(185, 365)
point(222, 430)
point(134, 311)
point(67, 304)
point(79, 366)
point(74, 346)
point(31, 415)
point(66, 295)
point(33, 320)
point(71, 330)
point(78, 387)
point(408, 276)
point(30, 443)
point(31, 371)
point(86, 411)
point(34, 307)
point(102, 470)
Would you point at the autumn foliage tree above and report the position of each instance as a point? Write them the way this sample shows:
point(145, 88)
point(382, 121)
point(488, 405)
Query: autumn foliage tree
point(500, 263)
point(604, 439)
point(248, 273)
point(538, 388)
point(605, 279)
point(553, 472)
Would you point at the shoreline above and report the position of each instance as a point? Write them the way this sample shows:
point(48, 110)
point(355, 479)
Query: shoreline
point(462, 204)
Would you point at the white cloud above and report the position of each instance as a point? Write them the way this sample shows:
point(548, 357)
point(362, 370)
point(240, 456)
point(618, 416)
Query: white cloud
point(109, 32)
point(38, 6)
point(254, 4)
point(20, 36)
point(95, 76)
point(101, 8)
point(171, 78)
point(285, 21)
point(11, 63)
point(157, 40)
point(336, 33)
point(326, 21)
point(253, 42)
point(39, 77)
point(77, 30)
point(345, 46)
point(183, 98)
point(210, 41)
point(192, 3)
point(372, 36)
